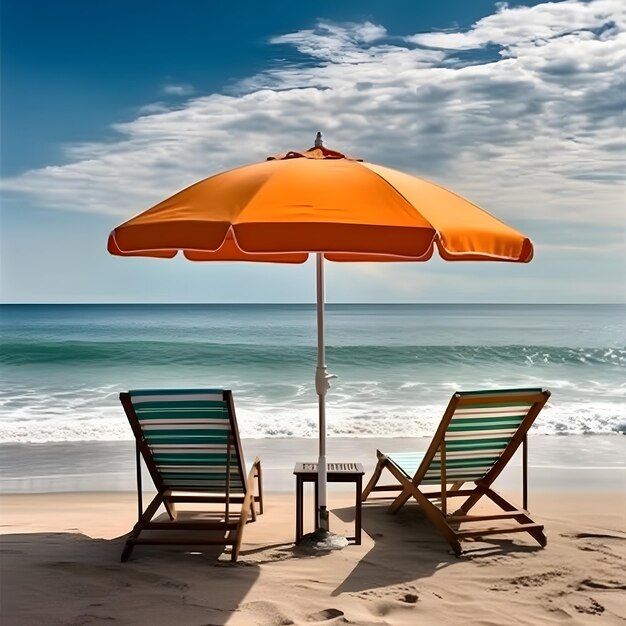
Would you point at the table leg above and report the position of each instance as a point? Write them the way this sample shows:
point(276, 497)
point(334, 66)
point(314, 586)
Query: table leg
point(357, 514)
point(316, 517)
point(299, 508)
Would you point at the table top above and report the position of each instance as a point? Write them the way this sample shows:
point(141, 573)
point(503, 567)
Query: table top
point(339, 469)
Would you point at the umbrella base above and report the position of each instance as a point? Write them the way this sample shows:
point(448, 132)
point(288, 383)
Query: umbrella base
point(322, 540)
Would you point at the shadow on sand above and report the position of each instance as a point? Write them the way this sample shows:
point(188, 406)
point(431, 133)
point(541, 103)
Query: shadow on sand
point(410, 532)
point(69, 578)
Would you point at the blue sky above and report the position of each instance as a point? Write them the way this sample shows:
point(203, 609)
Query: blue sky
point(107, 108)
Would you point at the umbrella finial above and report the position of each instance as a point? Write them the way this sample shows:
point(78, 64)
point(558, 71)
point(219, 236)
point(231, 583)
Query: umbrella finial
point(319, 142)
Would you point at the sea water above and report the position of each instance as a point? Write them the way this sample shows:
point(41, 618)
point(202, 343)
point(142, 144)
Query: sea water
point(62, 366)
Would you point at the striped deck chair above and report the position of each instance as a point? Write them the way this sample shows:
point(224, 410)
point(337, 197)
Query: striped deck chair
point(189, 441)
point(478, 434)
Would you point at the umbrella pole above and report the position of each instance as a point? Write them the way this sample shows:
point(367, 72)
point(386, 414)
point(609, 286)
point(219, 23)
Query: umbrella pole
point(321, 386)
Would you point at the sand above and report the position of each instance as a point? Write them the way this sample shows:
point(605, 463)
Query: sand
point(60, 565)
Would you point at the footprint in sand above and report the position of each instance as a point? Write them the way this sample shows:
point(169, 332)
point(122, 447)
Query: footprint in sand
point(594, 536)
point(604, 551)
point(384, 602)
point(175, 584)
point(531, 580)
point(266, 613)
point(593, 608)
point(409, 598)
point(325, 615)
point(401, 593)
point(594, 585)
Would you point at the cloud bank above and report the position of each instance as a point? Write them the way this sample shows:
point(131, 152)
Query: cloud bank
point(522, 113)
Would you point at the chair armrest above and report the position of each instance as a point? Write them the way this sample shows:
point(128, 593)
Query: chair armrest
point(255, 470)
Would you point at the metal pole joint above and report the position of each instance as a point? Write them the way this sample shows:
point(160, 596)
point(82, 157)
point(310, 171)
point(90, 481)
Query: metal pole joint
point(322, 380)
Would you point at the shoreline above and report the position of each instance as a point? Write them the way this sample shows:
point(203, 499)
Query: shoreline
point(558, 463)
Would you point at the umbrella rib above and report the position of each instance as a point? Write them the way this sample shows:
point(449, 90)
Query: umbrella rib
point(436, 235)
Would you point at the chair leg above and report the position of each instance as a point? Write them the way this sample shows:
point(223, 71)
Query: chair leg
point(375, 477)
point(471, 501)
point(129, 545)
point(405, 495)
point(438, 520)
point(400, 501)
point(170, 507)
point(146, 516)
point(259, 477)
point(128, 548)
point(243, 518)
point(535, 533)
point(432, 512)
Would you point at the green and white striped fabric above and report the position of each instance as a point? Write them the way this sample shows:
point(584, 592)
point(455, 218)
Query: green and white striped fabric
point(188, 432)
point(476, 436)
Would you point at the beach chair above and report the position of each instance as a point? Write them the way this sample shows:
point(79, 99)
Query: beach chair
point(478, 434)
point(189, 441)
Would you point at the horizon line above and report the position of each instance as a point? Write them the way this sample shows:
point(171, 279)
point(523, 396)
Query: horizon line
point(311, 303)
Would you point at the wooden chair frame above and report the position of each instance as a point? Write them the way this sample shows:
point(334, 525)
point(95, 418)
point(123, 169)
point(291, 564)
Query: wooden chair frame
point(447, 524)
point(231, 525)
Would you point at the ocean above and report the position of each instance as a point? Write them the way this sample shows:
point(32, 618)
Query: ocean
point(63, 366)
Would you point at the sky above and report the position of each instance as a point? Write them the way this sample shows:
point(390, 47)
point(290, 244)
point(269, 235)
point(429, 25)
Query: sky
point(108, 108)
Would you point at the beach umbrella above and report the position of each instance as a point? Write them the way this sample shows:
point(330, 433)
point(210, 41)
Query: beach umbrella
point(318, 201)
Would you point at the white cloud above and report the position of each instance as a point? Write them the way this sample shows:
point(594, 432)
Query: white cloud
point(511, 26)
point(149, 109)
point(333, 41)
point(178, 90)
point(534, 133)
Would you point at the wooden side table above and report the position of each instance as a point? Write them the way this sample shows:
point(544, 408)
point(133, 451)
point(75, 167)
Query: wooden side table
point(335, 473)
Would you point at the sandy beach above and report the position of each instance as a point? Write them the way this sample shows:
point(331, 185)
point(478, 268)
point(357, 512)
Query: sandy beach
point(374, 238)
point(60, 560)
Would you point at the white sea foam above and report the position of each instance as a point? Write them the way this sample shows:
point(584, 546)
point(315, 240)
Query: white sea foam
point(63, 366)
point(297, 419)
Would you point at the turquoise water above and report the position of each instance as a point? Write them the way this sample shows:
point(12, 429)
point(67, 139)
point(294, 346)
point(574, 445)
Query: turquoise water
point(63, 366)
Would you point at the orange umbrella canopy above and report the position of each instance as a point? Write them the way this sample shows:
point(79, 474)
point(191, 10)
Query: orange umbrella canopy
point(282, 209)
